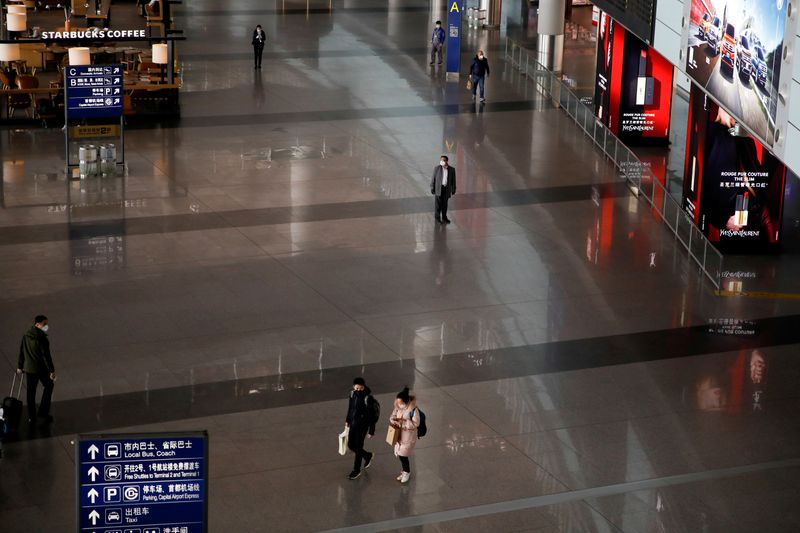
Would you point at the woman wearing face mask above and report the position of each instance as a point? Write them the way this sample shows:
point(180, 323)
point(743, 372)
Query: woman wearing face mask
point(479, 70)
point(406, 416)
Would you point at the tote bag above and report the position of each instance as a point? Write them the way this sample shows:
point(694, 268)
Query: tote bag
point(343, 436)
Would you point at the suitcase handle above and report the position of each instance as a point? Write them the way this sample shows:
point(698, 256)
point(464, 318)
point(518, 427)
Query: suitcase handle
point(13, 382)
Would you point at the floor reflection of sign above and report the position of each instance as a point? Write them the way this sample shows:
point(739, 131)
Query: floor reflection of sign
point(156, 483)
point(94, 91)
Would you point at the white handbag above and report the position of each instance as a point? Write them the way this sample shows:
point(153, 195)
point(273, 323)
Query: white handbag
point(343, 441)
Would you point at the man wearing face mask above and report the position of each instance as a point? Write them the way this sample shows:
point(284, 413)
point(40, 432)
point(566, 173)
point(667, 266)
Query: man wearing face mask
point(362, 415)
point(443, 186)
point(479, 70)
point(259, 39)
point(36, 362)
point(437, 42)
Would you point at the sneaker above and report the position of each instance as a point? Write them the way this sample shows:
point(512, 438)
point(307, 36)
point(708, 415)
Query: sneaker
point(398, 478)
point(354, 474)
point(368, 462)
point(431, 63)
point(404, 477)
point(483, 100)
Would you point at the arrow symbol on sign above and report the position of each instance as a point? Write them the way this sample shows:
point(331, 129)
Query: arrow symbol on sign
point(93, 494)
point(93, 516)
point(93, 472)
point(93, 451)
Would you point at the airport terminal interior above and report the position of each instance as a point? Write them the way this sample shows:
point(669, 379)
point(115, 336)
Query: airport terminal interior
point(579, 370)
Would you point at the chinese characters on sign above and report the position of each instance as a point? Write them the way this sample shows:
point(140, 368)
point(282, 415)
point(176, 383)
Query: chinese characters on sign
point(144, 484)
point(94, 91)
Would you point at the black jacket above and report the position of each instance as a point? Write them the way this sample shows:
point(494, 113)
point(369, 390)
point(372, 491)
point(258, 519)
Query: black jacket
point(255, 41)
point(479, 67)
point(360, 411)
point(34, 353)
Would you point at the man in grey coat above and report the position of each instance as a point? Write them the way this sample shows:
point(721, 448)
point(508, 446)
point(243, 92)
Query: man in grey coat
point(443, 186)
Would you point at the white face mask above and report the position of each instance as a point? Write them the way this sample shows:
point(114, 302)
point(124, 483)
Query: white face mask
point(438, 25)
point(443, 163)
point(45, 327)
point(480, 57)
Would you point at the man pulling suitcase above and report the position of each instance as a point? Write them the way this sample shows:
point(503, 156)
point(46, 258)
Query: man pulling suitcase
point(36, 362)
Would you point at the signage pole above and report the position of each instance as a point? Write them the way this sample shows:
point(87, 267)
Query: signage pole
point(454, 38)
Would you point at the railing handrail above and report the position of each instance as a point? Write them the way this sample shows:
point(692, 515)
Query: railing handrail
point(631, 167)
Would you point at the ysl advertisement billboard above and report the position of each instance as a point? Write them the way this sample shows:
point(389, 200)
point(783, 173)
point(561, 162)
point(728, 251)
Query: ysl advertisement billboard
point(732, 186)
point(734, 53)
point(633, 90)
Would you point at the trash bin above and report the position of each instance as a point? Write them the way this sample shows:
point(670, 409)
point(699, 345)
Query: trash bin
point(87, 160)
point(108, 160)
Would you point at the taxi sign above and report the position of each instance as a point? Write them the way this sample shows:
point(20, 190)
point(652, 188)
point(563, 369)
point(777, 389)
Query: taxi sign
point(155, 482)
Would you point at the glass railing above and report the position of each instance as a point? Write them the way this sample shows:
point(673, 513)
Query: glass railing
point(642, 182)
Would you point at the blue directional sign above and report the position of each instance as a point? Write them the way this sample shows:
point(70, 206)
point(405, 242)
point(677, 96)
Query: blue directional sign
point(94, 91)
point(148, 483)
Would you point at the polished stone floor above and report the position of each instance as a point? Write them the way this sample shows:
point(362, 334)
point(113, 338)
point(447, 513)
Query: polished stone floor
point(577, 372)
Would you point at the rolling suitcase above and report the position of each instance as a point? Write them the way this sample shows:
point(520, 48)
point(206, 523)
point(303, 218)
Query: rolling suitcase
point(12, 407)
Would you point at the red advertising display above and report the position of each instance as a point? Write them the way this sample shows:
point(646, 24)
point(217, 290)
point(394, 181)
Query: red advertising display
point(732, 185)
point(633, 93)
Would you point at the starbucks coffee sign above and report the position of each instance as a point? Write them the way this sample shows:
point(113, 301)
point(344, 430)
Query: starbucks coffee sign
point(93, 33)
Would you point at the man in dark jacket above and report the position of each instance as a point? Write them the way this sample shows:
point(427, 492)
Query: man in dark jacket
point(36, 362)
point(443, 186)
point(259, 39)
point(361, 421)
point(479, 70)
point(437, 42)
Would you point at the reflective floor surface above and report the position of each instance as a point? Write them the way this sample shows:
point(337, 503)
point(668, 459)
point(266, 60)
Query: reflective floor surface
point(577, 372)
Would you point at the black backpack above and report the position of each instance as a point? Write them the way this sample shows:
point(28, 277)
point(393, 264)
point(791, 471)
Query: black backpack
point(376, 408)
point(422, 430)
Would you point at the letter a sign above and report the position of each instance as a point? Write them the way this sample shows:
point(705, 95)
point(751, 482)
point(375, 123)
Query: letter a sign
point(454, 39)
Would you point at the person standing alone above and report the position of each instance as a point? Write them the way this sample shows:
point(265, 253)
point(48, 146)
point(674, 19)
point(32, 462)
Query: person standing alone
point(443, 186)
point(437, 42)
point(361, 418)
point(259, 39)
point(36, 362)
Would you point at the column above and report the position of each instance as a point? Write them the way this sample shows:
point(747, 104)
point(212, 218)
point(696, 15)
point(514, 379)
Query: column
point(492, 9)
point(551, 33)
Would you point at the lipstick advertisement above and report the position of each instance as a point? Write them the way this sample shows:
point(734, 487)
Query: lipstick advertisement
point(633, 90)
point(733, 186)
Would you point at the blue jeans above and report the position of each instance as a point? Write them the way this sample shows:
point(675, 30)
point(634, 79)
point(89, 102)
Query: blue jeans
point(477, 81)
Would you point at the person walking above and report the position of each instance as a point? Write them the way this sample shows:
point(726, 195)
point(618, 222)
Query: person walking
point(259, 39)
point(361, 419)
point(437, 42)
point(406, 416)
point(479, 70)
point(443, 186)
point(36, 362)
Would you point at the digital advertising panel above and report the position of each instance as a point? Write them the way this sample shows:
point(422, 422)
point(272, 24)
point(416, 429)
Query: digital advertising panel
point(732, 186)
point(734, 53)
point(633, 90)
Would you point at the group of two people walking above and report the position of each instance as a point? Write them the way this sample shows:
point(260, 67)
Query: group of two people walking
point(362, 417)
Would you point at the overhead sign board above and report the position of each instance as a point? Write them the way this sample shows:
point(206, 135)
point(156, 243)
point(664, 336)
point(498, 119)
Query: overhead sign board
point(144, 483)
point(94, 91)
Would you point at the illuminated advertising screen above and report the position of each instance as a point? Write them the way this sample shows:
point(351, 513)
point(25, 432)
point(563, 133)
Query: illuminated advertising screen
point(633, 91)
point(732, 186)
point(734, 53)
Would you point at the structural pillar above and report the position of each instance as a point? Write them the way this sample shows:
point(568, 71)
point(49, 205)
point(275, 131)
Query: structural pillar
point(551, 34)
point(492, 8)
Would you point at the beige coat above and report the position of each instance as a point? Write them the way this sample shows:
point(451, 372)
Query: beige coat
point(408, 434)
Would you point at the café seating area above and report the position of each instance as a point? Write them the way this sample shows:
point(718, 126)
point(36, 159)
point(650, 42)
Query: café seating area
point(32, 68)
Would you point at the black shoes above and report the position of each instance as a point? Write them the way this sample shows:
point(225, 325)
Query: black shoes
point(354, 474)
point(368, 462)
point(446, 220)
